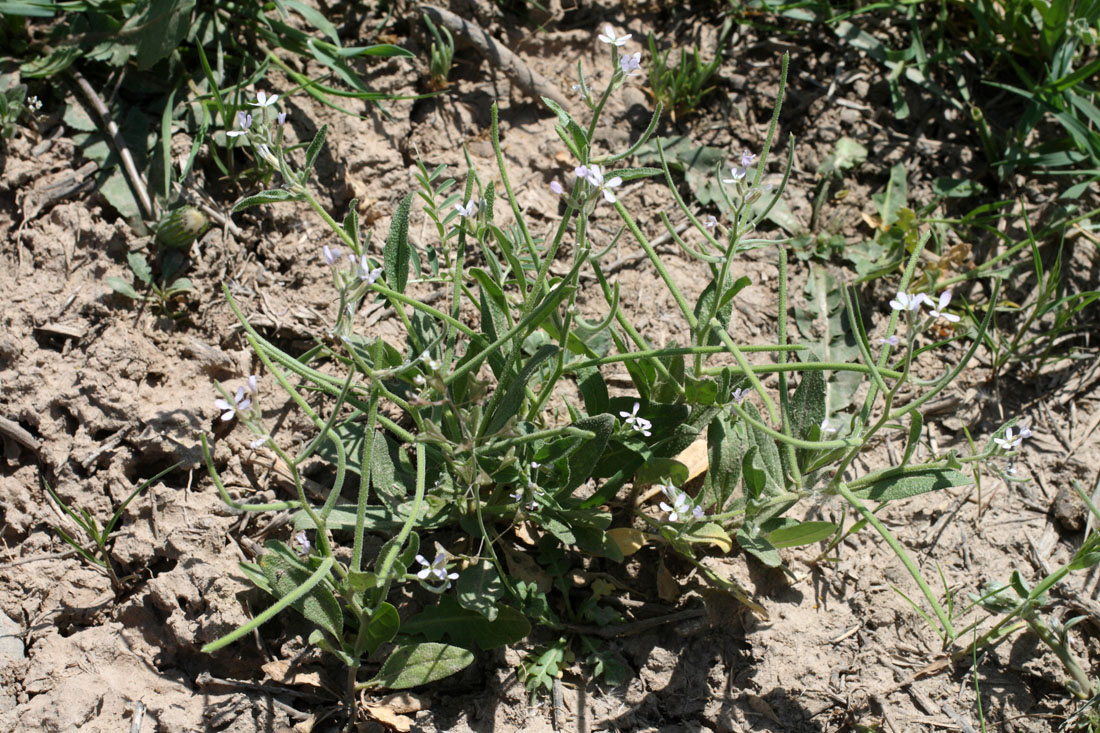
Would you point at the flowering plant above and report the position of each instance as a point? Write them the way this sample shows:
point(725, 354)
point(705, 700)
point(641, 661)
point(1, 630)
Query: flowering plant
point(463, 432)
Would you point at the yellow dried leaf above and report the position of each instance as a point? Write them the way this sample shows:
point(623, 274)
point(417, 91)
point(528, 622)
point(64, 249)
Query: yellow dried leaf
point(388, 718)
point(695, 458)
point(628, 539)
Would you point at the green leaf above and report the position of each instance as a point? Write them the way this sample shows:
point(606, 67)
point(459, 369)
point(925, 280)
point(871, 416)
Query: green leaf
point(753, 475)
point(726, 446)
point(52, 63)
point(516, 390)
point(396, 253)
point(759, 548)
point(350, 224)
point(583, 461)
point(285, 575)
point(894, 197)
point(479, 587)
point(163, 25)
point(845, 156)
point(916, 425)
point(901, 484)
point(808, 404)
point(467, 628)
point(140, 267)
point(413, 665)
point(383, 626)
point(122, 287)
point(116, 189)
point(314, 150)
point(271, 196)
point(593, 389)
point(800, 533)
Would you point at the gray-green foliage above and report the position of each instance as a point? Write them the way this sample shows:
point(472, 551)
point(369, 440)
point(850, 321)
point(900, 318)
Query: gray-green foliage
point(457, 433)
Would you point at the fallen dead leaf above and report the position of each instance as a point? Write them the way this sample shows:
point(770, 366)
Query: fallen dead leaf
point(695, 458)
point(388, 718)
point(278, 671)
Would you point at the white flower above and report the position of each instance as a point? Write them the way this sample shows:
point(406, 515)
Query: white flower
point(1025, 431)
point(431, 363)
point(825, 427)
point(639, 424)
point(711, 222)
point(556, 187)
point(436, 569)
point(595, 178)
point(736, 175)
point(331, 254)
point(470, 209)
point(253, 384)
point(747, 158)
point(937, 312)
point(419, 380)
point(262, 100)
point(905, 301)
point(302, 541)
point(258, 442)
point(892, 341)
point(280, 119)
point(1010, 441)
point(608, 36)
point(681, 507)
point(241, 402)
point(631, 63)
point(244, 121)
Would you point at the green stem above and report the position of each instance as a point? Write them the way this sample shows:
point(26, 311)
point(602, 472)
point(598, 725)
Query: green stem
point(875, 522)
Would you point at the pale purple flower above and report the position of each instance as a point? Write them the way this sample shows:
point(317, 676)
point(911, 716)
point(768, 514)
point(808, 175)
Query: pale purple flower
point(436, 569)
point(244, 121)
point(241, 402)
point(736, 175)
point(470, 209)
point(938, 311)
point(280, 118)
point(259, 442)
point(266, 154)
point(1010, 441)
point(556, 187)
point(711, 222)
point(303, 543)
point(608, 36)
point(892, 341)
point(262, 100)
point(906, 302)
point(631, 63)
point(366, 274)
point(581, 171)
point(1025, 431)
point(254, 384)
point(594, 176)
point(639, 424)
point(740, 395)
point(681, 508)
point(747, 158)
point(825, 427)
point(331, 254)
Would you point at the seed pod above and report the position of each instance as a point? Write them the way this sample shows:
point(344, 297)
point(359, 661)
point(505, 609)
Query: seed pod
point(179, 228)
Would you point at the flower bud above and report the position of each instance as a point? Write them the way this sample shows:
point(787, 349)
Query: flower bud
point(179, 228)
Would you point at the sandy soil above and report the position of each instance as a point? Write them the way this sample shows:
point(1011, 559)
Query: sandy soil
point(108, 394)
